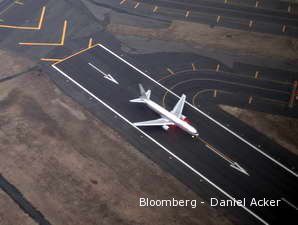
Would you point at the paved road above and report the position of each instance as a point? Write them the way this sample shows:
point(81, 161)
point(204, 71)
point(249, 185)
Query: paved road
point(193, 159)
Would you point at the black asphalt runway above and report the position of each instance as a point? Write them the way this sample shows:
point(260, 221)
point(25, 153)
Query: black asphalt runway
point(266, 178)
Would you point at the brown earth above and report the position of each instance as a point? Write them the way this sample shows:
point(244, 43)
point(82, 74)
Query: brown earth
point(281, 129)
point(201, 35)
point(12, 63)
point(11, 214)
point(76, 170)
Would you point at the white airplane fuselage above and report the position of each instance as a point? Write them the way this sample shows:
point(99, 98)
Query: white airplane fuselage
point(170, 116)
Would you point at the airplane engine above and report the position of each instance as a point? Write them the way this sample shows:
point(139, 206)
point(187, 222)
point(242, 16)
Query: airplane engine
point(165, 127)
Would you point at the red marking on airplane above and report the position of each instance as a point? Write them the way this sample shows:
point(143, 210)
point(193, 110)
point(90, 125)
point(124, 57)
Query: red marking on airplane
point(187, 120)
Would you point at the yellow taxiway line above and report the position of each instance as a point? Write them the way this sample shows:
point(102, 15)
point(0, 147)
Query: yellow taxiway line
point(170, 71)
point(77, 53)
point(38, 27)
point(19, 3)
point(61, 43)
point(50, 60)
point(90, 45)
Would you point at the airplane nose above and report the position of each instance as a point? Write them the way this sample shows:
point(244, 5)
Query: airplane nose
point(194, 132)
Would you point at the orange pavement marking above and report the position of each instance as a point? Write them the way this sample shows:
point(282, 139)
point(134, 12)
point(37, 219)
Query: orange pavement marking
point(61, 43)
point(38, 27)
point(77, 53)
point(90, 42)
point(50, 60)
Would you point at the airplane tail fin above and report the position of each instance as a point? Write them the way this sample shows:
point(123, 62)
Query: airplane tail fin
point(144, 95)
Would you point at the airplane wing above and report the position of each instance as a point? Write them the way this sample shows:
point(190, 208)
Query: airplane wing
point(177, 110)
point(157, 122)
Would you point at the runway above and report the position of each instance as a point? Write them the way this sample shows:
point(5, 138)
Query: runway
point(230, 166)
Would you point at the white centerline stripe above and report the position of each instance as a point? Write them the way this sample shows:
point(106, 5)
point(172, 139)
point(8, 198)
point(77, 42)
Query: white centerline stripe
point(203, 113)
point(160, 145)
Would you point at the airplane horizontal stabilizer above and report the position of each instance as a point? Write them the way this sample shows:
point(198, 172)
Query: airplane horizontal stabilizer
point(137, 100)
point(144, 95)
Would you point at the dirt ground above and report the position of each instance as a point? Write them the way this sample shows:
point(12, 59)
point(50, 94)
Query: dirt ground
point(242, 42)
point(76, 170)
point(11, 67)
point(10, 212)
point(281, 129)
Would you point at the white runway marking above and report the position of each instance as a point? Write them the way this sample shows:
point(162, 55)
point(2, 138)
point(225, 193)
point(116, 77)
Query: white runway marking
point(289, 203)
point(203, 113)
point(232, 163)
point(161, 146)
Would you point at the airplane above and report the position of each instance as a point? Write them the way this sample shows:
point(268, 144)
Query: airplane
point(168, 118)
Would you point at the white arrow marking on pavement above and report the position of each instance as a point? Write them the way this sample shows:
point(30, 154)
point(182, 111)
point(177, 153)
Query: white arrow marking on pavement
point(233, 164)
point(239, 168)
point(106, 76)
